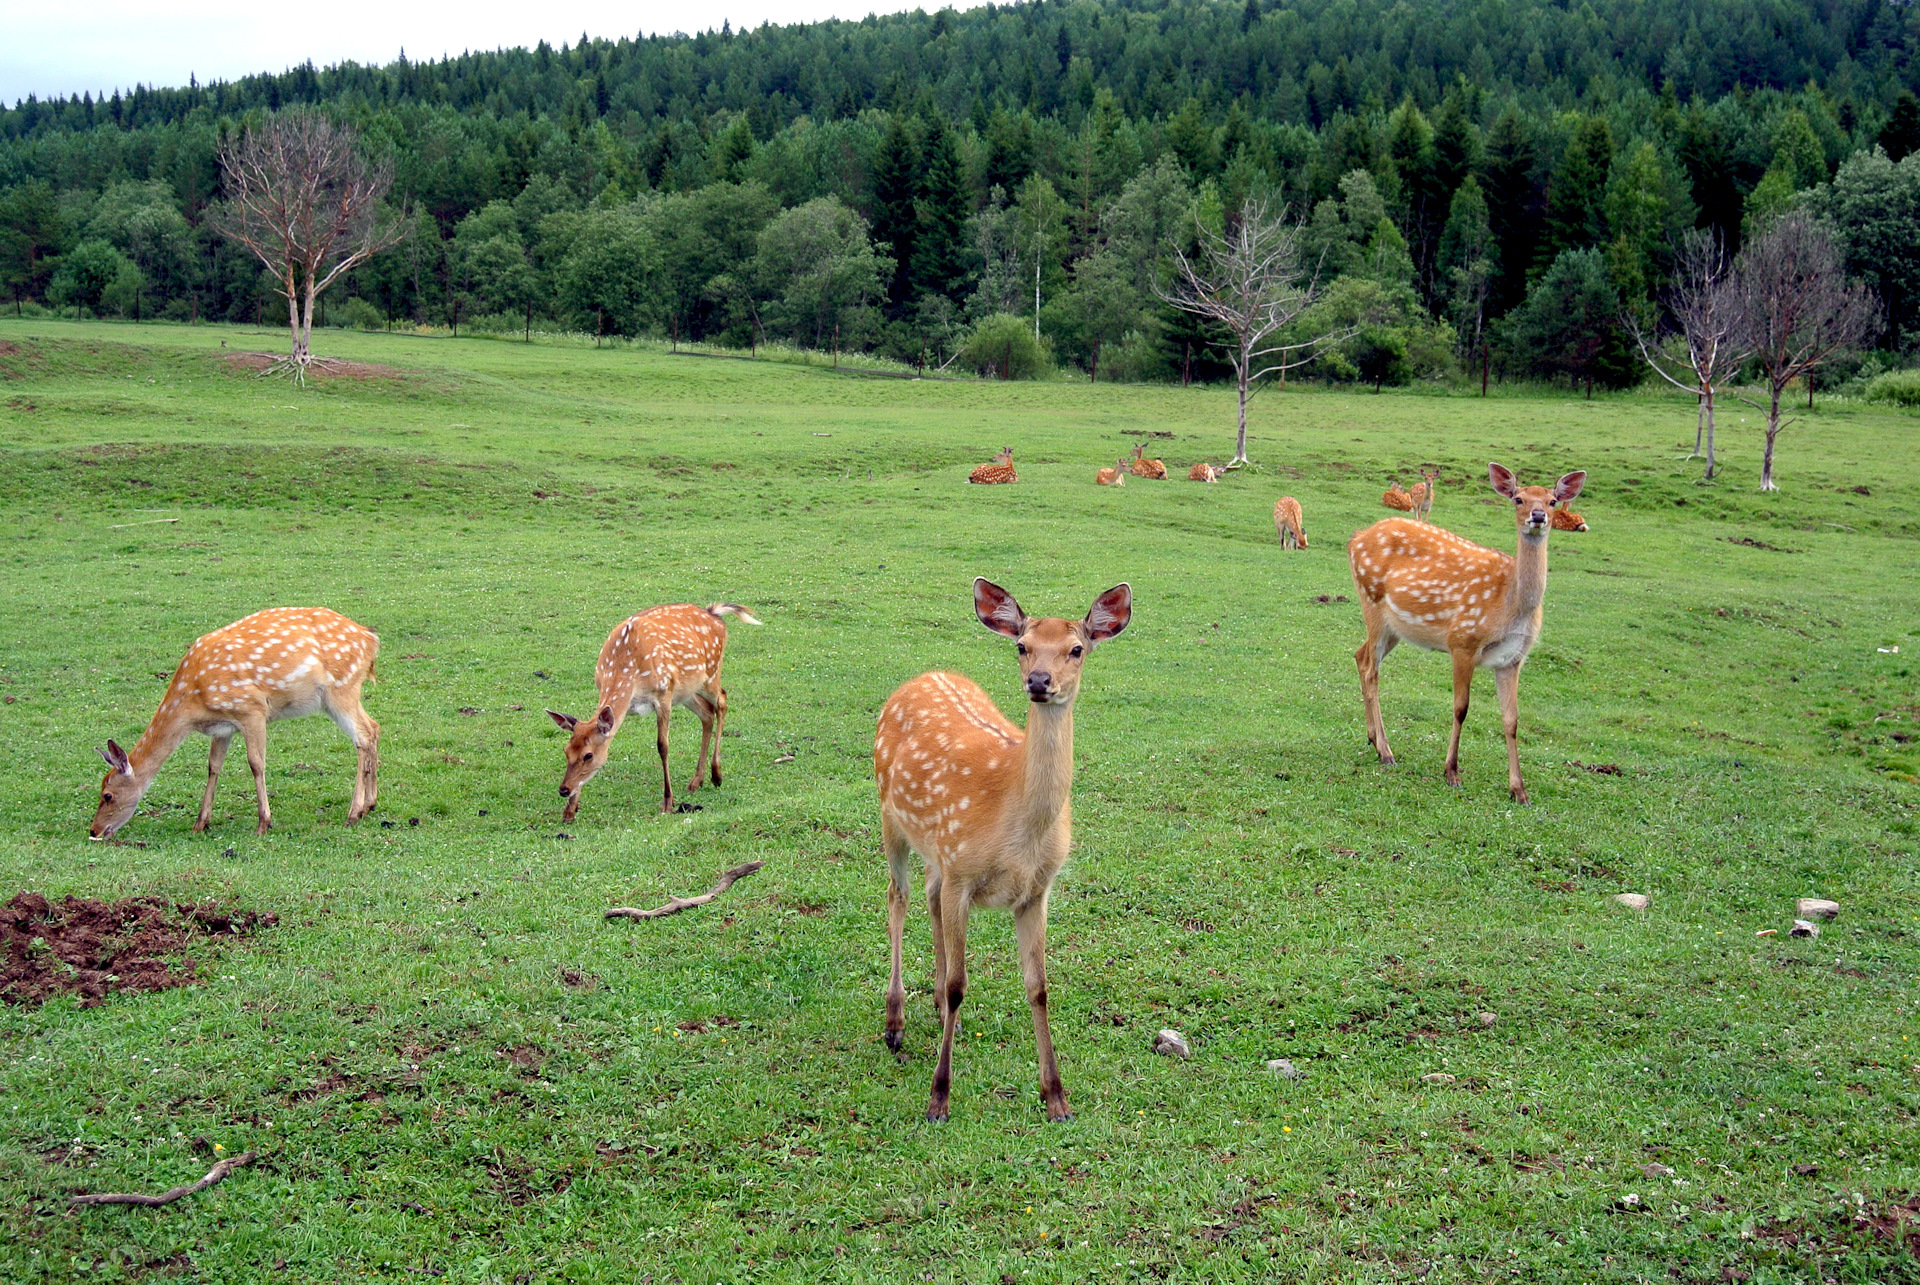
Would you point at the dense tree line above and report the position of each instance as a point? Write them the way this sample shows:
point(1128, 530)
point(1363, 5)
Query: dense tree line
point(1494, 185)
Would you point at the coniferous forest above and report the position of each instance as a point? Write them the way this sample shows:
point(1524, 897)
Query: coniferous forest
point(1494, 184)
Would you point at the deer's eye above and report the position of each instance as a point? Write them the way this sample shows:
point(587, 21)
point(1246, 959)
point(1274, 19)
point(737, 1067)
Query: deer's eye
point(1074, 652)
point(1518, 500)
point(106, 798)
point(1021, 648)
point(587, 757)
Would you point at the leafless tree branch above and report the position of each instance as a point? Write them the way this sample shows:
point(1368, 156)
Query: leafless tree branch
point(679, 904)
point(214, 1175)
point(1707, 310)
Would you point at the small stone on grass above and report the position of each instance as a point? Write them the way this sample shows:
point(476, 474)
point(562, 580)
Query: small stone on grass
point(1171, 1043)
point(1438, 1077)
point(1488, 1019)
point(1634, 900)
point(1816, 908)
point(1804, 928)
point(1284, 1067)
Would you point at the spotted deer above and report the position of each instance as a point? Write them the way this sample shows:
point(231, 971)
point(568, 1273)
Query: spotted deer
point(1421, 493)
point(1419, 584)
point(1115, 476)
point(1152, 470)
point(1203, 472)
point(1289, 524)
point(1395, 498)
point(1568, 520)
point(997, 473)
point(663, 657)
point(285, 662)
point(988, 808)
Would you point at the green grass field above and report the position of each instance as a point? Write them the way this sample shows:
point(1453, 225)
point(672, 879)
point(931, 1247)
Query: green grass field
point(431, 1094)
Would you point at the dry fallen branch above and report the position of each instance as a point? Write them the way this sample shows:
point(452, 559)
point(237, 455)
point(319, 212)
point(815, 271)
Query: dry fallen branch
point(679, 904)
point(214, 1175)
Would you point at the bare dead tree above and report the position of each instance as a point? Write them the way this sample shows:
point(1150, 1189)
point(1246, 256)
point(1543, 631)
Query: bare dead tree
point(1707, 310)
point(1250, 281)
point(1797, 310)
point(303, 199)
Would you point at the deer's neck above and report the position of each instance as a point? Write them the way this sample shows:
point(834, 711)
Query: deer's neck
point(1529, 585)
point(155, 746)
point(1047, 772)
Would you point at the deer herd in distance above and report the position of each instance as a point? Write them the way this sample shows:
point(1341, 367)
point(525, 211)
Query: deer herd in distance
point(984, 802)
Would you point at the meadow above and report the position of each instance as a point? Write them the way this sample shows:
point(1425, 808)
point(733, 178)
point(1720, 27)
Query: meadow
point(454, 1068)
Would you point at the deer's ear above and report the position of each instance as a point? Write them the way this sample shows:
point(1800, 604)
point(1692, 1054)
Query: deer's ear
point(997, 609)
point(116, 758)
point(1569, 486)
point(604, 723)
point(1502, 479)
point(567, 722)
point(1109, 614)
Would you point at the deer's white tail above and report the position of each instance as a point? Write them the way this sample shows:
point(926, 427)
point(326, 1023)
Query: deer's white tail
point(733, 609)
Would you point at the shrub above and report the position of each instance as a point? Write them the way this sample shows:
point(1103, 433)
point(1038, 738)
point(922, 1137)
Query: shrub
point(1003, 346)
point(1899, 387)
point(356, 314)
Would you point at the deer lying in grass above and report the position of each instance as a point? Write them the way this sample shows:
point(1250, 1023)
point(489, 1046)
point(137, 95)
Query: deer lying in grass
point(988, 808)
point(1568, 520)
point(998, 473)
point(663, 657)
point(285, 662)
point(1152, 470)
point(1289, 524)
point(1420, 584)
point(1395, 498)
point(1115, 476)
point(1203, 472)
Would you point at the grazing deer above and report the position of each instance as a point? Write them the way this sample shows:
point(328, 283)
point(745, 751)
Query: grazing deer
point(1421, 493)
point(1568, 520)
point(1429, 587)
point(1288, 523)
point(1203, 472)
point(987, 806)
point(1153, 470)
point(998, 473)
point(663, 657)
point(1115, 476)
point(285, 662)
point(1395, 498)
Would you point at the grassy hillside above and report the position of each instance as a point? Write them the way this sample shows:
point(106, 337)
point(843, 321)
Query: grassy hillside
point(450, 1062)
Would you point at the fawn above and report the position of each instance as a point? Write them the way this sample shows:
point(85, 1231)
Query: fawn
point(1568, 520)
point(285, 662)
point(1288, 523)
point(1421, 493)
point(988, 808)
point(1420, 584)
point(999, 472)
point(1115, 476)
point(1395, 498)
point(1203, 472)
point(1152, 470)
point(663, 657)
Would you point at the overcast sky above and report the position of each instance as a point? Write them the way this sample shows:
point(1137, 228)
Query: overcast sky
point(57, 47)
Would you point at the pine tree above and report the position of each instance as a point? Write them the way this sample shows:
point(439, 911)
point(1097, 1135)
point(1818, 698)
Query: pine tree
point(938, 260)
point(1901, 134)
point(894, 217)
point(1422, 202)
point(1576, 199)
point(1513, 209)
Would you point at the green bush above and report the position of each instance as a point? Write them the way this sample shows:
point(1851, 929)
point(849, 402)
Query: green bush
point(356, 314)
point(1900, 387)
point(1002, 346)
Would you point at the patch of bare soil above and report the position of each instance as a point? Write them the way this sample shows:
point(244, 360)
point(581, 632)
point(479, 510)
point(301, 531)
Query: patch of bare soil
point(92, 948)
point(322, 368)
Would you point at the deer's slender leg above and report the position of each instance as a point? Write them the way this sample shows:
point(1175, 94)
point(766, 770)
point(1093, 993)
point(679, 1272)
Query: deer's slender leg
point(664, 716)
point(1507, 683)
point(215, 757)
point(954, 905)
point(1030, 931)
point(254, 731)
point(898, 868)
point(1462, 693)
point(345, 708)
point(1374, 650)
point(703, 707)
point(719, 729)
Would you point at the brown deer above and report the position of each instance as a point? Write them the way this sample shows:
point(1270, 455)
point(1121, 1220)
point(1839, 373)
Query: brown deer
point(1420, 584)
point(1568, 520)
point(1203, 472)
point(1152, 470)
point(1115, 476)
point(1421, 493)
point(285, 662)
point(1289, 524)
point(988, 808)
point(998, 473)
point(663, 657)
point(1395, 498)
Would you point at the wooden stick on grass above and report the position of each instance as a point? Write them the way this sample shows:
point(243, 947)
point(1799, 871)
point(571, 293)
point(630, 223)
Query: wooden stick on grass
point(214, 1175)
point(679, 904)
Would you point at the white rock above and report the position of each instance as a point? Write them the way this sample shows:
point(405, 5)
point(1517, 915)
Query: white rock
point(1283, 1067)
point(1171, 1043)
point(1633, 900)
point(1488, 1019)
point(1816, 908)
point(1656, 1170)
point(1438, 1077)
point(1804, 928)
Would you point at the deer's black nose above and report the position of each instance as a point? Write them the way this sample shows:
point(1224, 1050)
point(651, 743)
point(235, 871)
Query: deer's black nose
point(1037, 684)
point(563, 792)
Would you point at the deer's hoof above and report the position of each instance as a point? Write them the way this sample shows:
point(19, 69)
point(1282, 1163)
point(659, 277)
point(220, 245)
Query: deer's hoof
point(1387, 760)
point(263, 827)
point(893, 1041)
point(1453, 777)
point(199, 827)
point(1519, 793)
point(1061, 1117)
point(936, 1115)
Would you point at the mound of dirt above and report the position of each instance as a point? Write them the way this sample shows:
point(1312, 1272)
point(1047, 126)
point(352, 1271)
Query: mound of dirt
point(322, 368)
point(91, 948)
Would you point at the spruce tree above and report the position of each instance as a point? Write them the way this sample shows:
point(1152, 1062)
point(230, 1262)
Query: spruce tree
point(894, 216)
point(1513, 209)
point(1901, 135)
point(938, 260)
point(1576, 198)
